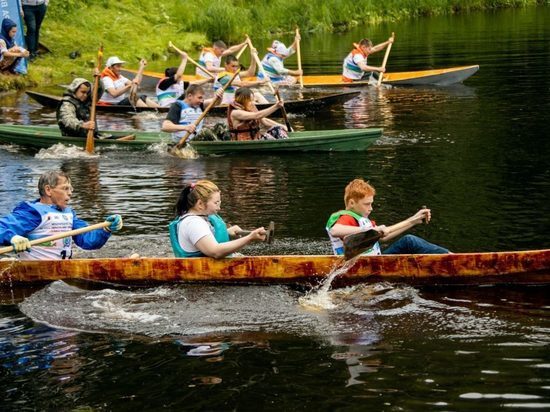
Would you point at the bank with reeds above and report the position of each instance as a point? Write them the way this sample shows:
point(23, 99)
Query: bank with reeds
point(142, 28)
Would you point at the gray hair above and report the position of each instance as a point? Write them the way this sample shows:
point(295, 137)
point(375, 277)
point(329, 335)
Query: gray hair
point(50, 178)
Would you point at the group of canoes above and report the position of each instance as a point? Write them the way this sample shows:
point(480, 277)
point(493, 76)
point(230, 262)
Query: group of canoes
point(245, 122)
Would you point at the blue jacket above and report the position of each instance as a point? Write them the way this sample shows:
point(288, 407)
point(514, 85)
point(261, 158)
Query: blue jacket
point(25, 218)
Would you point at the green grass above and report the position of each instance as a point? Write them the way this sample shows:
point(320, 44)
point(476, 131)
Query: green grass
point(132, 29)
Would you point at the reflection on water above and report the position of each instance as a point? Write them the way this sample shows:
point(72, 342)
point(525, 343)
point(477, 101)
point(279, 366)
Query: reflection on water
point(475, 153)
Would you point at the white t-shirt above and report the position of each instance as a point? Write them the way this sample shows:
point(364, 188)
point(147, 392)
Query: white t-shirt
point(109, 83)
point(192, 229)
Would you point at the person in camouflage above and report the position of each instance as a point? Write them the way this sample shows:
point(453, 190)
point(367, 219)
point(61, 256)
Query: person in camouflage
point(73, 112)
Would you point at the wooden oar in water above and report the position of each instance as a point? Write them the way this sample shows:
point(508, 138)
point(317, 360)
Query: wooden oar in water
point(170, 44)
point(285, 116)
point(381, 75)
point(269, 236)
point(214, 101)
point(51, 238)
point(91, 132)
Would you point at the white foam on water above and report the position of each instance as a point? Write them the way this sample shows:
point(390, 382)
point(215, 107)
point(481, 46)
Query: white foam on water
point(115, 311)
point(477, 395)
point(60, 151)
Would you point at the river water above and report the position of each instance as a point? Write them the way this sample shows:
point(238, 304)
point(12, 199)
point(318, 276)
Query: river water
point(476, 154)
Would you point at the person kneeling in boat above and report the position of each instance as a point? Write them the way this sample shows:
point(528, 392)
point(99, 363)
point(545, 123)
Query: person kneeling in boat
point(273, 64)
point(184, 113)
point(245, 120)
point(231, 66)
point(50, 215)
point(358, 198)
point(117, 87)
point(10, 53)
point(198, 230)
point(73, 111)
point(355, 67)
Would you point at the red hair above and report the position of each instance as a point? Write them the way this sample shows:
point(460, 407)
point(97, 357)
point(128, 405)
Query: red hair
point(357, 189)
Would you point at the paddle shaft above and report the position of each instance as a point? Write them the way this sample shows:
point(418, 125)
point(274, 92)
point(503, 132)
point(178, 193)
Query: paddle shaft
point(204, 69)
point(299, 56)
point(239, 54)
point(183, 140)
point(386, 55)
point(260, 67)
point(269, 235)
point(283, 110)
point(91, 132)
point(135, 83)
point(70, 233)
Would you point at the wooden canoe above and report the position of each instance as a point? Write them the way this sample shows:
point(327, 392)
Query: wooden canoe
point(319, 141)
point(437, 77)
point(527, 267)
point(310, 105)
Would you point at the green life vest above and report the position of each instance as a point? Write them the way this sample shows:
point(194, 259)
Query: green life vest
point(220, 234)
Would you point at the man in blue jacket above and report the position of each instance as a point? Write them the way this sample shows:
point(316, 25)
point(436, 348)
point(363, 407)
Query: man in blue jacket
point(49, 215)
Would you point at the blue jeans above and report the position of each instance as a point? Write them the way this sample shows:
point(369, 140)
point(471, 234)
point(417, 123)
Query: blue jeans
point(410, 244)
point(33, 20)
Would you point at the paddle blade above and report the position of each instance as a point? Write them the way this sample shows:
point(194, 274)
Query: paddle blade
point(270, 232)
point(359, 242)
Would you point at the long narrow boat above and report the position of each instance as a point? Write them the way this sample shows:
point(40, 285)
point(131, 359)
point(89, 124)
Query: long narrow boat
point(46, 136)
point(345, 140)
point(295, 106)
point(319, 141)
point(527, 267)
point(438, 77)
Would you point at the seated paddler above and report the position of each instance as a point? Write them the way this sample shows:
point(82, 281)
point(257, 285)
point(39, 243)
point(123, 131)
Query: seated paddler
point(49, 215)
point(73, 111)
point(246, 122)
point(359, 198)
point(198, 230)
point(355, 66)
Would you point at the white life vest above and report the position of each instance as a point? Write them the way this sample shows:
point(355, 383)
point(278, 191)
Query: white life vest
point(188, 115)
point(53, 221)
point(173, 92)
point(207, 55)
point(350, 68)
point(364, 223)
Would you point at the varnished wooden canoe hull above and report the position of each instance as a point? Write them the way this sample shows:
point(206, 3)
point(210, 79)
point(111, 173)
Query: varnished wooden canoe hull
point(437, 77)
point(294, 106)
point(529, 267)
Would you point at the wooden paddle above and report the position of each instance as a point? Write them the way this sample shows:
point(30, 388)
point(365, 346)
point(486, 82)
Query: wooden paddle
point(51, 238)
point(260, 66)
point(285, 117)
point(381, 75)
point(133, 97)
point(299, 56)
point(90, 135)
point(269, 236)
point(269, 83)
point(239, 54)
point(170, 44)
point(359, 242)
point(184, 139)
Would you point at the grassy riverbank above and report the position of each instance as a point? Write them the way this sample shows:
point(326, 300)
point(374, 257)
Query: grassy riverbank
point(141, 28)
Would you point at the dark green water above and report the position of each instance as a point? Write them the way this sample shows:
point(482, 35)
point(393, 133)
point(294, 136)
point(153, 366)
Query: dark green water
point(477, 154)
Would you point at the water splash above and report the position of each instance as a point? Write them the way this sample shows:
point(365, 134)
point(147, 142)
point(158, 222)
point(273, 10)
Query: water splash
point(60, 151)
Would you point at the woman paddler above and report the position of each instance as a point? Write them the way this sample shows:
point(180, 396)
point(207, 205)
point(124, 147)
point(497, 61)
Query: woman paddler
point(198, 230)
point(245, 120)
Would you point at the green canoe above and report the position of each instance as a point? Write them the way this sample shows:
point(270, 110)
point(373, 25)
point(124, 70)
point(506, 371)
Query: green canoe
point(47, 136)
point(344, 140)
point(319, 141)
